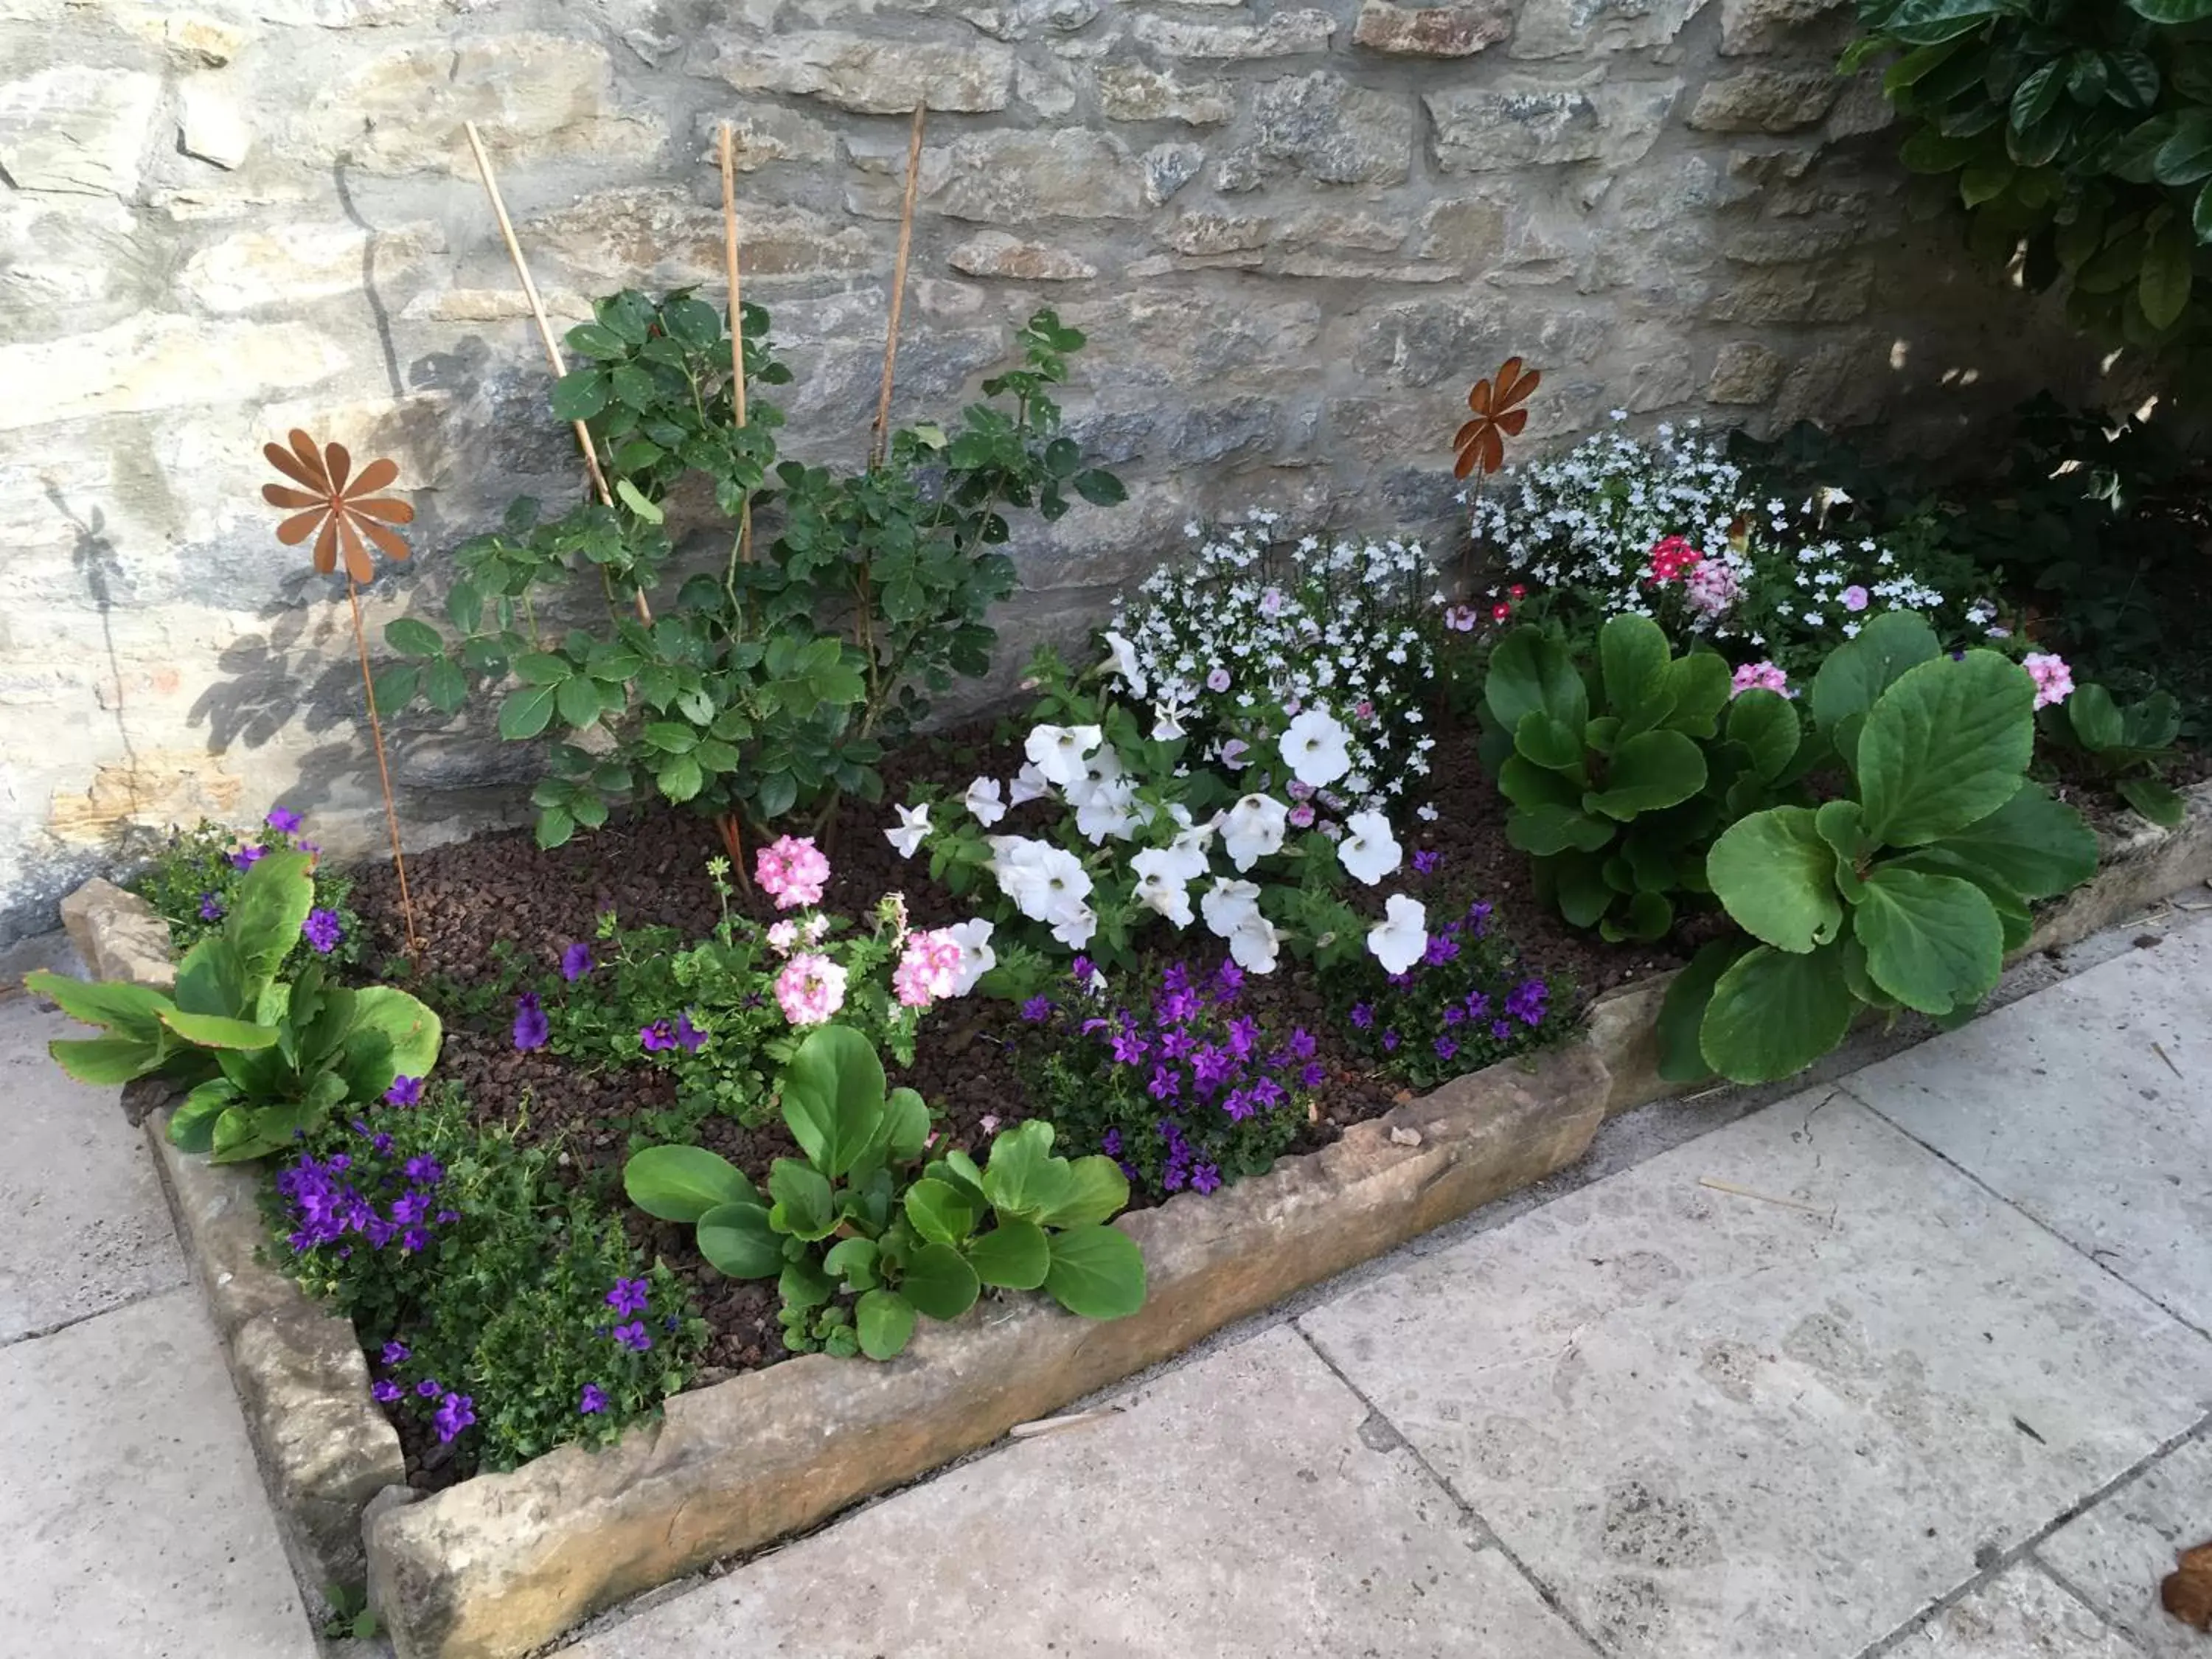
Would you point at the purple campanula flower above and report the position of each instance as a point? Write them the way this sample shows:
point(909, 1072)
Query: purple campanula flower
point(1228, 981)
point(1268, 1094)
point(576, 961)
point(414, 1239)
point(457, 1412)
point(1128, 1047)
point(428, 1389)
point(1426, 861)
point(1204, 1178)
point(1175, 1006)
point(404, 1092)
point(1166, 1084)
point(1037, 1010)
point(1177, 1044)
point(1442, 949)
point(1302, 1043)
point(1446, 1047)
point(211, 907)
point(1477, 917)
point(1399, 979)
point(283, 821)
point(1110, 1143)
point(395, 1353)
point(322, 930)
point(633, 1335)
point(1212, 1066)
point(1454, 1014)
point(531, 1028)
point(1390, 1041)
point(381, 1144)
point(1239, 1105)
point(1527, 1002)
point(1243, 1036)
point(656, 1038)
point(1502, 1030)
point(411, 1208)
point(1363, 1014)
point(1312, 1074)
point(1477, 1004)
point(689, 1035)
point(1081, 969)
point(384, 1391)
point(425, 1169)
point(246, 857)
point(594, 1399)
point(628, 1296)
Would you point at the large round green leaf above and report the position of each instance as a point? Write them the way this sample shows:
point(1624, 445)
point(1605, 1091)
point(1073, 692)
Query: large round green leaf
point(1778, 878)
point(1096, 1190)
point(1098, 1273)
point(939, 1212)
point(1649, 772)
point(1945, 747)
point(1854, 675)
point(885, 1322)
point(1632, 656)
point(804, 1205)
point(1934, 942)
point(1012, 1255)
point(1774, 1013)
point(738, 1240)
point(1547, 742)
point(1699, 684)
point(1530, 787)
point(1529, 671)
point(1024, 1181)
point(682, 1183)
point(938, 1281)
point(1546, 830)
point(411, 1024)
point(1683, 1011)
point(2036, 845)
point(833, 1098)
point(1766, 723)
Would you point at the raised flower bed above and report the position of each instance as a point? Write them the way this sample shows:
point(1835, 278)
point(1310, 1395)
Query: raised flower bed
point(502, 1563)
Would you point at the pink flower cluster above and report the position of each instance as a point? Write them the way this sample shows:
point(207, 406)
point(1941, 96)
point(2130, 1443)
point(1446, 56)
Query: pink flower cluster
point(928, 969)
point(2054, 680)
point(1759, 676)
point(1710, 588)
point(810, 989)
point(791, 871)
point(786, 933)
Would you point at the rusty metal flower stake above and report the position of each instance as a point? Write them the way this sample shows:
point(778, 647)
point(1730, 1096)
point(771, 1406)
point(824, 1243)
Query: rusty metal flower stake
point(1497, 415)
point(341, 509)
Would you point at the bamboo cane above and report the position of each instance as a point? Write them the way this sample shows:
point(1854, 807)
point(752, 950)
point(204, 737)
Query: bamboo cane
point(898, 288)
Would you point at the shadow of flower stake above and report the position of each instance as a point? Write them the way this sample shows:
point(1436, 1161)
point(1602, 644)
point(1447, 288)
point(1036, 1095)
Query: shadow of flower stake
point(343, 512)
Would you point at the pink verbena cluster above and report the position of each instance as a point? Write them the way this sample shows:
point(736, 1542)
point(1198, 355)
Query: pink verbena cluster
point(928, 969)
point(810, 989)
point(2054, 680)
point(791, 871)
point(1710, 588)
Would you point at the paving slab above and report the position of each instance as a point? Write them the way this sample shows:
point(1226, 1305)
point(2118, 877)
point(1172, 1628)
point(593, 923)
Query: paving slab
point(2116, 1553)
point(88, 1227)
point(1245, 1507)
point(2019, 1614)
point(135, 1520)
point(2089, 1105)
point(1716, 1425)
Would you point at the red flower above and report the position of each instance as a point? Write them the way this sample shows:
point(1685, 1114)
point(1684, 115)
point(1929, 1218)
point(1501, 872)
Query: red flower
point(1500, 613)
point(1517, 591)
point(1673, 557)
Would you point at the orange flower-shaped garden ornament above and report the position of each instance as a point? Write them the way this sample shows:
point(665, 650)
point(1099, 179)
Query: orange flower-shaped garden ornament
point(339, 509)
point(1497, 415)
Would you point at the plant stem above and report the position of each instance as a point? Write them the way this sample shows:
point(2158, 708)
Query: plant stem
point(383, 772)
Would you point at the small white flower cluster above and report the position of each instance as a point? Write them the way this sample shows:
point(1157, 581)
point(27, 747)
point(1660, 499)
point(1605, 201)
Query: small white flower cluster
point(1075, 765)
point(1258, 627)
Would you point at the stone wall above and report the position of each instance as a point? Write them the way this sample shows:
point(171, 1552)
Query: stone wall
point(1294, 233)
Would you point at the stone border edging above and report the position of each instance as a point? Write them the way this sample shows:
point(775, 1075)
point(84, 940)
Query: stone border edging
point(502, 1564)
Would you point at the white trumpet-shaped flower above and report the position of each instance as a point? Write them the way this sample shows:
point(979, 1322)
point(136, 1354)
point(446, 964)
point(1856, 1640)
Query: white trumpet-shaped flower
point(912, 829)
point(1315, 747)
point(1369, 851)
point(1228, 905)
point(1124, 659)
point(1058, 752)
point(1399, 938)
point(977, 958)
point(1164, 884)
point(1028, 784)
point(985, 801)
point(1046, 882)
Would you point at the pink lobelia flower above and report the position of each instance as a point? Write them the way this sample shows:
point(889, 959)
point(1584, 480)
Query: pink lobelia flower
point(810, 989)
point(1759, 676)
point(791, 871)
point(2054, 680)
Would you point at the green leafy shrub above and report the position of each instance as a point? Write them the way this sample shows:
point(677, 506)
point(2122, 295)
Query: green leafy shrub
point(2126, 747)
point(192, 881)
point(857, 1215)
point(1620, 778)
point(2081, 129)
point(264, 1059)
point(745, 697)
point(1904, 893)
point(499, 1307)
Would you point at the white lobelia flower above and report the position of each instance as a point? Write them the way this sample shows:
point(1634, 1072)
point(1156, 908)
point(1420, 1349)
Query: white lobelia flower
point(1167, 721)
point(1314, 747)
point(1057, 751)
point(1369, 851)
point(1124, 660)
point(1108, 810)
point(1228, 905)
point(1045, 882)
point(1075, 928)
point(1028, 784)
point(985, 801)
point(1399, 938)
point(977, 958)
point(1253, 829)
point(912, 829)
point(1253, 945)
point(1162, 884)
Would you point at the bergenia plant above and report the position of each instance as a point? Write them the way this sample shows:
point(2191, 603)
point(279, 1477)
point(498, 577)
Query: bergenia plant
point(1134, 830)
point(725, 1014)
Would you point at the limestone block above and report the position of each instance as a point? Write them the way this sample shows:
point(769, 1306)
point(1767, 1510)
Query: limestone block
point(1471, 230)
point(1329, 131)
point(1017, 19)
point(1832, 293)
point(1372, 232)
point(1047, 88)
point(1015, 177)
point(212, 124)
point(117, 935)
point(1745, 372)
point(1521, 121)
point(1216, 232)
point(656, 235)
point(63, 260)
point(1285, 35)
point(1167, 169)
point(1447, 31)
point(297, 264)
point(761, 133)
point(1585, 28)
point(1131, 92)
point(152, 362)
point(1765, 100)
point(76, 128)
point(873, 76)
point(995, 253)
point(1757, 25)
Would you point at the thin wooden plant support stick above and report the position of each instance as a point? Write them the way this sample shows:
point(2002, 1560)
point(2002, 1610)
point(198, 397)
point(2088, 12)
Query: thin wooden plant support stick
point(882, 435)
point(383, 770)
point(545, 331)
point(732, 829)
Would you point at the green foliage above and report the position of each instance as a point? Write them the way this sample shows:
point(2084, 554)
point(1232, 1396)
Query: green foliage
point(192, 881)
point(263, 1058)
point(2081, 129)
point(506, 1299)
point(745, 695)
point(861, 1215)
point(1620, 778)
point(1906, 893)
point(2126, 747)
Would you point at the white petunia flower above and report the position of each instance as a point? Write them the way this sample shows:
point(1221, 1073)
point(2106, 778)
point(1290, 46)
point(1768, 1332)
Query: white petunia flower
point(1028, 784)
point(1399, 938)
point(1228, 905)
point(1369, 851)
point(1254, 942)
point(985, 801)
point(1314, 748)
point(912, 829)
point(1124, 660)
point(977, 958)
point(1253, 829)
point(1162, 881)
point(1074, 928)
point(1058, 752)
point(1045, 882)
point(1108, 811)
